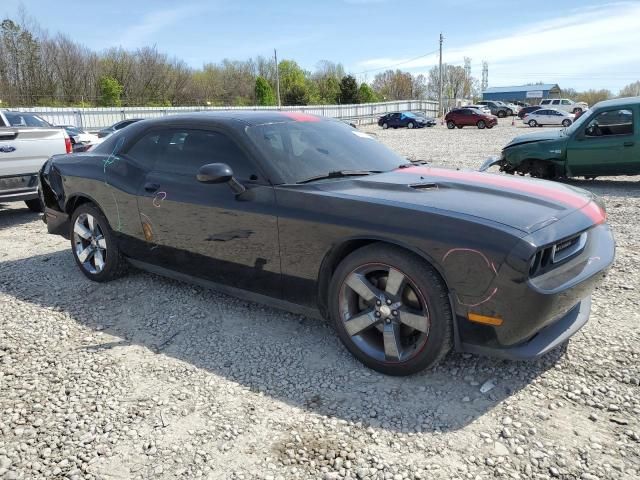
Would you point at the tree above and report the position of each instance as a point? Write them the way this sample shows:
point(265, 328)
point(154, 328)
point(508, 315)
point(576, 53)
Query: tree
point(264, 92)
point(295, 95)
point(292, 83)
point(366, 94)
point(110, 91)
point(631, 90)
point(591, 97)
point(348, 90)
point(394, 85)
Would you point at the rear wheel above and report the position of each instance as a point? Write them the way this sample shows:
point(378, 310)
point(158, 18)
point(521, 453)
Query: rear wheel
point(93, 245)
point(459, 126)
point(35, 205)
point(481, 124)
point(451, 125)
point(391, 310)
point(533, 123)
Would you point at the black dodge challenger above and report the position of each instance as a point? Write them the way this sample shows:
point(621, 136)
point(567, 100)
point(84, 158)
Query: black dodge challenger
point(311, 215)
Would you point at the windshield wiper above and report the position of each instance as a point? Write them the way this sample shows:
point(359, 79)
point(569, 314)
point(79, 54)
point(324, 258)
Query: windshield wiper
point(339, 174)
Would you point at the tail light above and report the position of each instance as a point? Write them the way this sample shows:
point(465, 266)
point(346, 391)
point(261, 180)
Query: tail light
point(67, 143)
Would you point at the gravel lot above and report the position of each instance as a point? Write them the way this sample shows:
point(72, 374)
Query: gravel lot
point(150, 378)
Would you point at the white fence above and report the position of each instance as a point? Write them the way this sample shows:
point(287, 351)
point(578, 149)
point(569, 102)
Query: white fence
point(96, 118)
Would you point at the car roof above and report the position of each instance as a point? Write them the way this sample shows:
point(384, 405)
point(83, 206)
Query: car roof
point(247, 117)
point(617, 102)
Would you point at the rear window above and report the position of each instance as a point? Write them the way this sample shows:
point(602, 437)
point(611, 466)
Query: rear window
point(21, 119)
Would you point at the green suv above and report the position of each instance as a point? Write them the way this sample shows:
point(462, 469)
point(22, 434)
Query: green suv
point(604, 140)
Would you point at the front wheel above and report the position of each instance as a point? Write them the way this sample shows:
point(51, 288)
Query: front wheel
point(481, 124)
point(502, 114)
point(533, 123)
point(410, 125)
point(93, 245)
point(385, 125)
point(391, 310)
point(451, 125)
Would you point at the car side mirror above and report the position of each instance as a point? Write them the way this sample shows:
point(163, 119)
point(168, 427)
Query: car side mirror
point(219, 173)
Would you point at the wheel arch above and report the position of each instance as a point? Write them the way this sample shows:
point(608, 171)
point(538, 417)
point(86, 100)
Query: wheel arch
point(78, 199)
point(339, 251)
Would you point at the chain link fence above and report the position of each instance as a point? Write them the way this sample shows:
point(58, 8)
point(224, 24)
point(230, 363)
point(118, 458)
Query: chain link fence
point(96, 118)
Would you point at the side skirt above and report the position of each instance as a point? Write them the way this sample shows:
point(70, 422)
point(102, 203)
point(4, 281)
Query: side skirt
point(232, 291)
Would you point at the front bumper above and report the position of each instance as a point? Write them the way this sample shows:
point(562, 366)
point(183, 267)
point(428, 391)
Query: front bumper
point(57, 222)
point(545, 340)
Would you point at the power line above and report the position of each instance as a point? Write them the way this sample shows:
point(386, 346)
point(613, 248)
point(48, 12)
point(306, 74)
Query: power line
point(397, 64)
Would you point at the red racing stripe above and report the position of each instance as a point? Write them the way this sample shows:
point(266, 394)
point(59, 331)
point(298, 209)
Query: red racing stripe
point(301, 117)
point(574, 200)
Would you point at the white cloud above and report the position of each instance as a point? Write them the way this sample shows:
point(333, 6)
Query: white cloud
point(579, 48)
point(138, 34)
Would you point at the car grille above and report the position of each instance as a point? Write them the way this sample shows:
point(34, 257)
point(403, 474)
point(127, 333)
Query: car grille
point(549, 257)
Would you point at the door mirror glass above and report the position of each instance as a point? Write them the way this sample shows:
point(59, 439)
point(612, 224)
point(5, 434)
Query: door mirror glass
point(215, 173)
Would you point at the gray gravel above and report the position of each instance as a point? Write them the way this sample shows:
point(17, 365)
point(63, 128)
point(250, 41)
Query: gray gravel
point(150, 378)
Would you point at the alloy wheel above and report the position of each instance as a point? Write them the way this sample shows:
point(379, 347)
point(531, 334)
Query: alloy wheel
point(384, 313)
point(90, 246)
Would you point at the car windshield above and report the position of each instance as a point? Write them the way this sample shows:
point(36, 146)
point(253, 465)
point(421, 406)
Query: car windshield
point(19, 119)
point(303, 150)
point(576, 125)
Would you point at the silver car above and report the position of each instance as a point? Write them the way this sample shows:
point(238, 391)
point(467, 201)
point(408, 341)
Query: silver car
point(548, 116)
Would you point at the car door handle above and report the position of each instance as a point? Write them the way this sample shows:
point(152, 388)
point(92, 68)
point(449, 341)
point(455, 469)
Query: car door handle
point(629, 144)
point(151, 187)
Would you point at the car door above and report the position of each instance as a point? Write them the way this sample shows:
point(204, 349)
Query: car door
point(207, 230)
point(466, 117)
point(556, 118)
point(394, 120)
point(606, 144)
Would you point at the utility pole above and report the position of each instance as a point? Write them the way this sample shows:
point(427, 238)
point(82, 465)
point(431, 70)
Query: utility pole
point(485, 76)
point(440, 79)
point(275, 55)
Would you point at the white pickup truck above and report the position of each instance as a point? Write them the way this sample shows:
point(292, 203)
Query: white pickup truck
point(26, 142)
point(564, 104)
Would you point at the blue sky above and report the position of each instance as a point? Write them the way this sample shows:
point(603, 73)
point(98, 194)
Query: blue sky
point(581, 44)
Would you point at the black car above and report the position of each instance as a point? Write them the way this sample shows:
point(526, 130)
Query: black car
point(105, 132)
point(527, 110)
point(405, 119)
point(311, 215)
point(498, 109)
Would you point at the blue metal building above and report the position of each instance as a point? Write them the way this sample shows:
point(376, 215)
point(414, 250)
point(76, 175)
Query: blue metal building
point(522, 93)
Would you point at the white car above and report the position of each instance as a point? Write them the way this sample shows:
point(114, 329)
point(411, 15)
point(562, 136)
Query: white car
point(483, 108)
point(549, 116)
point(564, 104)
point(514, 108)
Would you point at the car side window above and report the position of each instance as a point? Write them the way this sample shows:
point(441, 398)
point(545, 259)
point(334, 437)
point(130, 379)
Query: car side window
point(185, 151)
point(545, 102)
point(610, 122)
point(555, 102)
point(146, 150)
point(566, 102)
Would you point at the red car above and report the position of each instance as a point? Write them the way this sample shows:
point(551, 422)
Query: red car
point(467, 117)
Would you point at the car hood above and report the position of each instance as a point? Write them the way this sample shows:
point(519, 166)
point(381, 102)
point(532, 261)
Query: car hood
point(543, 136)
point(523, 204)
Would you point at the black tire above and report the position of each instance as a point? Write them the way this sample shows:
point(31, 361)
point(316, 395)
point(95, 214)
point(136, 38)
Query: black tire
point(481, 124)
point(430, 347)
point(509, 112)
point(489, 127)
point(410, 125)
point(566, 123)
point(451, 125)
point(114, 263)
point(501, 114)
point(533, 123)
point(35, 205)
point(385, 125)
point(459, 126)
